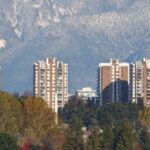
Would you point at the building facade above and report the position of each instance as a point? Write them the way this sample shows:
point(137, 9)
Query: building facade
point(113, 82)
point(51, 82)
point(140, 81)
point(86, 93)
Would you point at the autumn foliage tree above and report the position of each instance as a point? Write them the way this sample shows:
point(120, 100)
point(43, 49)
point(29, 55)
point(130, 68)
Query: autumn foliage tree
point(39, 119)
point(144, 117)
point(11, 117)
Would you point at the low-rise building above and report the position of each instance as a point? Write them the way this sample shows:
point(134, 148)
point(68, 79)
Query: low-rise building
point(86, 93)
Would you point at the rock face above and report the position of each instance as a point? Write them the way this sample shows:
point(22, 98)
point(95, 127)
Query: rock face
point(82, 33)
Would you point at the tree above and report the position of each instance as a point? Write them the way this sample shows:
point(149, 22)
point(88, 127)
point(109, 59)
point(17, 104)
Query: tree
point(11, 117)
point(95, 139)
point(107, 138)
point(125, 137)
point(74, 139)
point(104, 117)
point(56, 142)
point(39, 119)
point(7, 142)
point(144, 117)
point(145, 139)
point(74, 107)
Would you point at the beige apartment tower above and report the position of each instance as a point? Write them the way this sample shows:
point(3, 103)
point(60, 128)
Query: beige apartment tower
point(113, 82)
point(51, 82)
point(140, 81)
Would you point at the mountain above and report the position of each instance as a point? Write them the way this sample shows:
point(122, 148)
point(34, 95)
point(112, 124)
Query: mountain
point(81, 33)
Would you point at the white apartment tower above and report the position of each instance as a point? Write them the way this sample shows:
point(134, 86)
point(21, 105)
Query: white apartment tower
point(140, 81)
point(51, 82)
point(113, 82)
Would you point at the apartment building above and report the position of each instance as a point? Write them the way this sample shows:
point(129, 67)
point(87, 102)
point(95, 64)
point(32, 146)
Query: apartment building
point(113, 82)
point(51, 82)
point(86, 93)
point(140, 81)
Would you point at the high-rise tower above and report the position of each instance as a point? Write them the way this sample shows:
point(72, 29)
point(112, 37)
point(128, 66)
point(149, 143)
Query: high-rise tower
point(140, 81)
point(113, 82)
point(51, 82)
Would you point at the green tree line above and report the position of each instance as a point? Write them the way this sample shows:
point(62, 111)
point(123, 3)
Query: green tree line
point(115, 126)
point(27, 123)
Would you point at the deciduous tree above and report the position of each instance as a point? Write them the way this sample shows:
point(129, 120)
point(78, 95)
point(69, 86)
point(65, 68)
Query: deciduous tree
point(144, 117)
point(39, 119)
point(11, 118)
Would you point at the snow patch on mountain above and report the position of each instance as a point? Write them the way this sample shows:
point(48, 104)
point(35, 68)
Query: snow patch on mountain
point(79, 32)
point(18, 33)
point(56, 19)
point(2, 43)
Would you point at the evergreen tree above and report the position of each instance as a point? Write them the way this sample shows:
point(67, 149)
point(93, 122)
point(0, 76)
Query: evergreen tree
point(145, 140)
point(125, 137)
point(7, 142)
point(95, 139)
point(74, 139)
point(107, 138)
